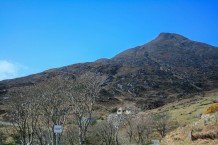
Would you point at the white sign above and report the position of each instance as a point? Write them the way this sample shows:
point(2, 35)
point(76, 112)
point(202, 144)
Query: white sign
point(58, 128)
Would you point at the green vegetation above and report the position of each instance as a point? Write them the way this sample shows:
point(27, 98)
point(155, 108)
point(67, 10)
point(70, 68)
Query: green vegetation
point(189, 110)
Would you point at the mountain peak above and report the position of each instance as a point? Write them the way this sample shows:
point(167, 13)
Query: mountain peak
point(170, 36)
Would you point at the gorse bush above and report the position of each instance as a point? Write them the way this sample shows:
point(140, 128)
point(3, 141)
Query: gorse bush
point(213, 108)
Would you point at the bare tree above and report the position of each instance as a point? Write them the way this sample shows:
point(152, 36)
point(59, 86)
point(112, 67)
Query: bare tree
point(35, 110)
point(48, 104)
point(24, 114)
point(118, 123)
point(148, 121)
point(130, 127)
point(161, 123)
point(142, 128)
point(71, 135)
point(106, 132)
point(54, 108)
point(82, 95)
point(139, 127)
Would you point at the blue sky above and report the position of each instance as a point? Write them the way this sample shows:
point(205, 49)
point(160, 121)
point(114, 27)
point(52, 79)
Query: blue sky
point(36, 35)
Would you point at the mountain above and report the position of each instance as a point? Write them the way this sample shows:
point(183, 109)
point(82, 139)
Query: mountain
point(168, 68)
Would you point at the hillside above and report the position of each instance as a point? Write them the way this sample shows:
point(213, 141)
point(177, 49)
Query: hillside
point(188, 113)
point(170, 67)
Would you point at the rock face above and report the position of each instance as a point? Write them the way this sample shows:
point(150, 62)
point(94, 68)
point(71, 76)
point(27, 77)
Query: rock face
point(169, 67)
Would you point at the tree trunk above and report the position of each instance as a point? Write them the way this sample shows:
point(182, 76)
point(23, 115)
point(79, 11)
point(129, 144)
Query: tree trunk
point(82, 137)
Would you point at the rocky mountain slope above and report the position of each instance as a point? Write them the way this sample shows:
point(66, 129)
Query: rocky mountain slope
point(168, 68)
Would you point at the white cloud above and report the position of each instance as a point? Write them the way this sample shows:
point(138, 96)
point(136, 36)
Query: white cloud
point(9, 70)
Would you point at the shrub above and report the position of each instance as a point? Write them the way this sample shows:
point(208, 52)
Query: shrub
point(213, 108)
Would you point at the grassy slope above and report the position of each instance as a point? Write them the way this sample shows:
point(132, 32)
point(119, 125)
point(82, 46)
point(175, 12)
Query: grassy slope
point(187, 112)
